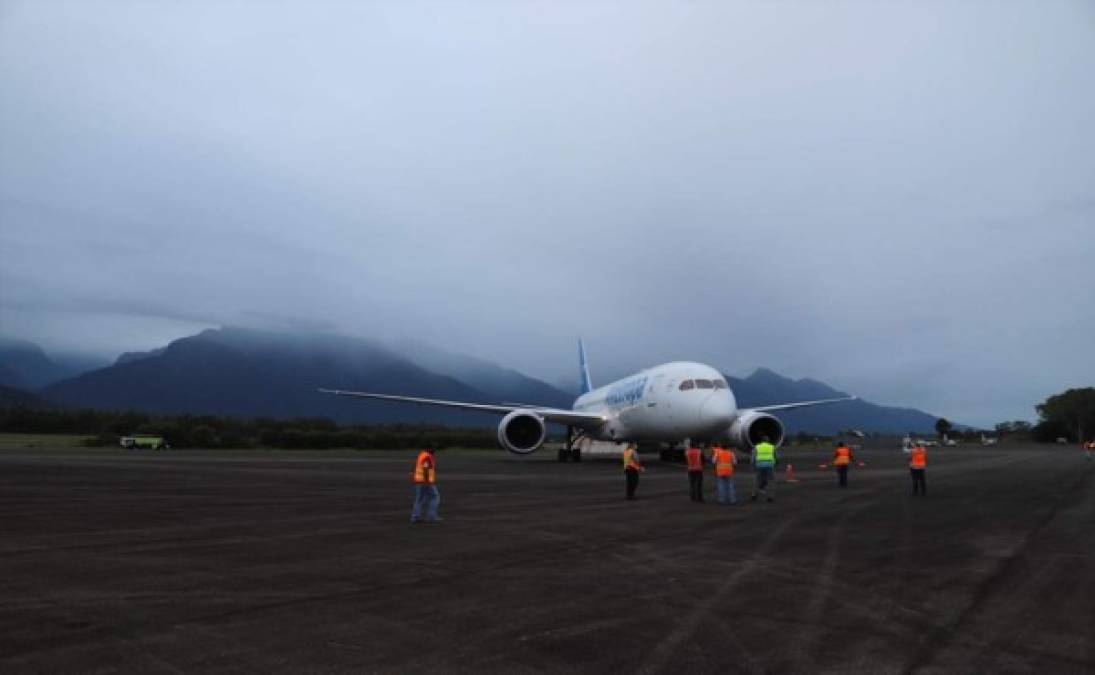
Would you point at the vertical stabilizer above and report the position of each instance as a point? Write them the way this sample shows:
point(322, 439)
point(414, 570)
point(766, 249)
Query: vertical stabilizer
point(587, 383)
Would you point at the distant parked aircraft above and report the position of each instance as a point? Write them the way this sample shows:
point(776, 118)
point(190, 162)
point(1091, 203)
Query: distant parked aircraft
point(672, 402)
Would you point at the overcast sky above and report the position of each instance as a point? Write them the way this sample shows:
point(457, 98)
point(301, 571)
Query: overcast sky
point(895, 198)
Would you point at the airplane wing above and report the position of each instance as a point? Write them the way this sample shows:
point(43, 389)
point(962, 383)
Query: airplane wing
point(803, 404)
point(556, 415)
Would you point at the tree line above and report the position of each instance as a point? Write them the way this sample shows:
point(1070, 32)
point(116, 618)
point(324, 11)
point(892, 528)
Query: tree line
point(1069, 415)
point(212, 431)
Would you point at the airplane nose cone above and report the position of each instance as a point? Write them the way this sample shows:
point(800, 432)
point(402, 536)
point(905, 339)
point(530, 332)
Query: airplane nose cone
point(716, 413)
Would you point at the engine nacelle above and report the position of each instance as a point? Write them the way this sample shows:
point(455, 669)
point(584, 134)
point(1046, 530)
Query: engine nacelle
point(522, 432)
point(748, 429)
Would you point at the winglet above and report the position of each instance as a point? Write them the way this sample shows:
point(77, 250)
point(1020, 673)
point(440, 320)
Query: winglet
point(587, 383)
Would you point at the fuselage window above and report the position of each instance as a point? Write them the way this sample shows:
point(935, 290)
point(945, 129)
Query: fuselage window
point(687, 384)
point(704, 384)
point(720, 384)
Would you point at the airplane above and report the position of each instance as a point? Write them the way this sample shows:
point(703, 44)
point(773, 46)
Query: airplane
point(672, 402)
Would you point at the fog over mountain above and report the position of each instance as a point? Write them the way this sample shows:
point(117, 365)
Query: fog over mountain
point(249, 373)
point(25, 365)
point(894, 198)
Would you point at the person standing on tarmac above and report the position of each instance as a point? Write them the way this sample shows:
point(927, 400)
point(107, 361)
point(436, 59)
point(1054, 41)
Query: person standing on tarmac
point(724, 461)
point(764, 466)
point(694, 457)
point(632, 468)
point(842, 459)
point(426, 495)
point(918, 465)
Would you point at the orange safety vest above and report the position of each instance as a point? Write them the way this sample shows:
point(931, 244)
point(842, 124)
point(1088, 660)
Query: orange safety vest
point(629, 460)
point(843, 456)
point(425, 471)
point(918, 458)
point(695, 459)
point(724, 462)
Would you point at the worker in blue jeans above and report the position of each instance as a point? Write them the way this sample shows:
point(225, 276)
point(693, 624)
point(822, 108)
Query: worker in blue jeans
point(426, 494)
point(764, 467)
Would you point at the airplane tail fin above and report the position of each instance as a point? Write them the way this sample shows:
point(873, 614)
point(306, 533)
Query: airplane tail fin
point(587, 383)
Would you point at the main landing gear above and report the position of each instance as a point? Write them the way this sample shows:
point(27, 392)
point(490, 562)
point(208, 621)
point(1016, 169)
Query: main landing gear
point(570, 450)
point(675, 452)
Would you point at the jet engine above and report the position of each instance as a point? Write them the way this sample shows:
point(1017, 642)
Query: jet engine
point(521, 432)
point(748, 429)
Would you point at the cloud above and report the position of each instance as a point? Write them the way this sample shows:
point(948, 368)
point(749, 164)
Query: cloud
point(895, 199)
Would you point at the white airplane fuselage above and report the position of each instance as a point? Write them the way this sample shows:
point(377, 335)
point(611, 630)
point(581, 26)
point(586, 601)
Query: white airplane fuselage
point(672, 402)
point(669, 402)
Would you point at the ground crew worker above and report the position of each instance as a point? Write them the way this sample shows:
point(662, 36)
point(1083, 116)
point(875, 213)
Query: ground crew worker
point(764, 466)
point(632, 467)
point(842, 459)
point(724, 461)
point(426, 495)
point(694, 457)
point(918, 464)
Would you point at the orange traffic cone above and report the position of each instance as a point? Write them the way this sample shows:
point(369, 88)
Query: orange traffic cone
point(790, 474)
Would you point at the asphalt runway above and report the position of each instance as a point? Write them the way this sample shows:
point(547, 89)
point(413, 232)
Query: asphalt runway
point(202, 561)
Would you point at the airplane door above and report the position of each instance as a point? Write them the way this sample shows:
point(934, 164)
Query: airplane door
point(644, 414)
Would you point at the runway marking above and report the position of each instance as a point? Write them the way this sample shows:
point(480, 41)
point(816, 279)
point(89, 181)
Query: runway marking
point(687, 626)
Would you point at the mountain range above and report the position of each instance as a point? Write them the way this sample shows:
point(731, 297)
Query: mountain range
point(252, 373)
point(24, 365)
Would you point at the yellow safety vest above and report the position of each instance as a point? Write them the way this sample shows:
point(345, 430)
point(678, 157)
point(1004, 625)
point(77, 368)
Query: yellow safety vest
point(766, 453)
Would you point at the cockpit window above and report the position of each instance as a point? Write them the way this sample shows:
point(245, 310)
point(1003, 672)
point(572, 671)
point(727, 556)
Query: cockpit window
point(721, 384)
point(704, 384)
point(687, 384)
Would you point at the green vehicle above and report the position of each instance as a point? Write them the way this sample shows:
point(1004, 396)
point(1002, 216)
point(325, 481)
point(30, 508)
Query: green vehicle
point(143, 442)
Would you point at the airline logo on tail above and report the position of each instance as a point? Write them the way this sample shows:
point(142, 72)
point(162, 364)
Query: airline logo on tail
point(587, 383)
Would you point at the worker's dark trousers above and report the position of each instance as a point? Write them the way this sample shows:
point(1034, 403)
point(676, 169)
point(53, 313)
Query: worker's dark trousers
point(632, 476)
point(919, 486)
point(695, 485)
point(842, 475)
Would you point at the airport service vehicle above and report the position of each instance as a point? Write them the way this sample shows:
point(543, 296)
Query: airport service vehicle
point(670, 403)
point(143, 442)
point(988, 440)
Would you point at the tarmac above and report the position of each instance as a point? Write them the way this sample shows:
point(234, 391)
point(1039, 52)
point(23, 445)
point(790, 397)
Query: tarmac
point(258, 561)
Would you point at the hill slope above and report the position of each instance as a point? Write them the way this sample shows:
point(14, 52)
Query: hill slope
point(765, 387)
point(12, 397)
point(24, 365)
point(251, 373)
